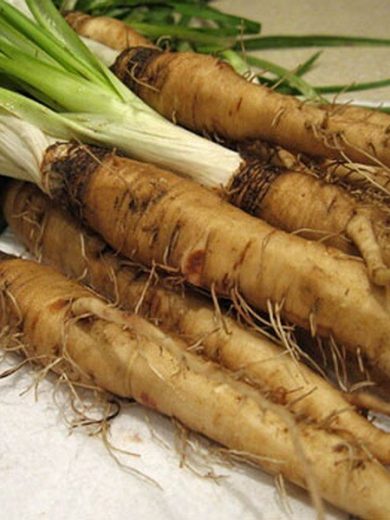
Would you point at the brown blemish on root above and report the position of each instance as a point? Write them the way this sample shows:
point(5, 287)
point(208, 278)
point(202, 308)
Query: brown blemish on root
point(193, 267)
point(241, 258)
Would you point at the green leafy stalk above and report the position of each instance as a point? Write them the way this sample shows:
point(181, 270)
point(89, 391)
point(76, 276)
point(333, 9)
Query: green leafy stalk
point(36, 114)
point(48, 17)
point(353, 87)
point(103, 116)
point(308, 64)
point(242, 25)
point(238, 62)
point(283, 42)
point(35, 73)
point(63, 52)
point(68, 5)
point(9, 34)
point(43, 40)
point(293, 80)
point(332, 89)
point(22, 144)
point(194, 36)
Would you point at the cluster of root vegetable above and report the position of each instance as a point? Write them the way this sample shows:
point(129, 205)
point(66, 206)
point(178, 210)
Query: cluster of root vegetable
point(307, 268)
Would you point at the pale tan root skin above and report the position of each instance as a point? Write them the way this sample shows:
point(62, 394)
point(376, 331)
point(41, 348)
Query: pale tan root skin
point(111, 32)
point(359, 114)
point(360, 229)
point(301, 203)
point(369, 401)
point(120, 36)
point(44, 229)
point(366, 182)
point(126, 355)
point(375, 180)
point(206, 95)
point(148, 214)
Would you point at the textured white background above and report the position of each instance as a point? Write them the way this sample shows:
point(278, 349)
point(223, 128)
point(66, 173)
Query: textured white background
point(47, 472)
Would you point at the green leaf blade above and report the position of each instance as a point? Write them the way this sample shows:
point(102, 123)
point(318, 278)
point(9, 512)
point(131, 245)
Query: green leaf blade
point(283, 42)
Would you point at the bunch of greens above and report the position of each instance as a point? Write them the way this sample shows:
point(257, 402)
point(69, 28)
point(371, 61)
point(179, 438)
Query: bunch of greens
point(33, 50)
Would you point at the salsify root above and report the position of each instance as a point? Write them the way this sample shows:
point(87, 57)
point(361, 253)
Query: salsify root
point(148, 214)
point(368, 401)
point(126, 355)
point(367, 182)
point(302, 203)
point(354, 113)
point(185, 88)
point(337, 218)
point(109, 31)
point(44, 229)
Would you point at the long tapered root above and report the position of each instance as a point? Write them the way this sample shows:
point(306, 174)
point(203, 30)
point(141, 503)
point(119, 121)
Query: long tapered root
point(370, 183)
point(111, 32)
point(360, 230)
point(317, 286)
point(137, 360)
point(369, 401)
point(241, 110)
point(301, 203)
point(44, 228)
